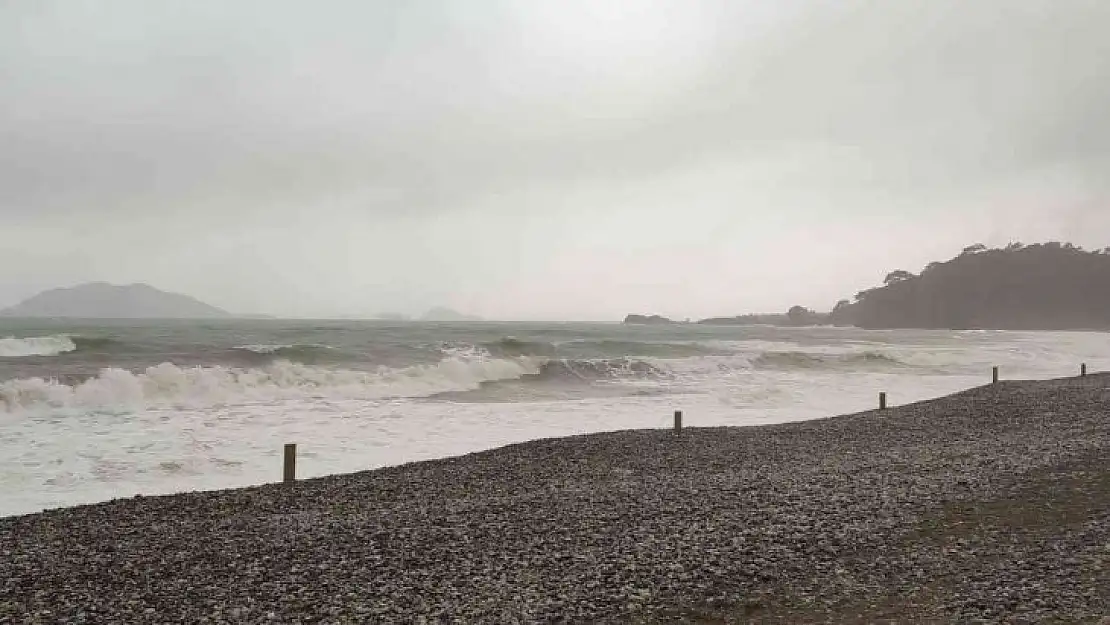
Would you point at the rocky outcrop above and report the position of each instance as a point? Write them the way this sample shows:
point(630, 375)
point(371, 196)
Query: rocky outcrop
point(644, 320)
point(1050, 286)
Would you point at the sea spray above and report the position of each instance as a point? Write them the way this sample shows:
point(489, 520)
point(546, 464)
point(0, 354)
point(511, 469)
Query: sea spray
point(12, 347)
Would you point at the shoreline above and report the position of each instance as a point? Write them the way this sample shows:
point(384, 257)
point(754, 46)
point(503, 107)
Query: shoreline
point(991, 503)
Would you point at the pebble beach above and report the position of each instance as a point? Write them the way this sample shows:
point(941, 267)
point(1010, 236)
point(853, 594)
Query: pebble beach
point(990, 505)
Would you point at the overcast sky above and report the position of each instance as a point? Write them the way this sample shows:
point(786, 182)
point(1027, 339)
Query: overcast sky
point(536, 159)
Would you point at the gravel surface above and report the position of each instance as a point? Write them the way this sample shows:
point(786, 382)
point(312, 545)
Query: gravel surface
point(992, 505)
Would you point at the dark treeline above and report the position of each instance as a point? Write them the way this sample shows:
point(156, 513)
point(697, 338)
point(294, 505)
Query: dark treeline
point(796, 316)
point(1046, 286)
point(1050, 286)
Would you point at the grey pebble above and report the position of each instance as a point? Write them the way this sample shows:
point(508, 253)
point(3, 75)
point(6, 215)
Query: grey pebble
point(968, 508)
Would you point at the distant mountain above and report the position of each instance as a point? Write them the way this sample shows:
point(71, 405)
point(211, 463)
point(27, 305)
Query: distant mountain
point(446, 314)
point(100, 300)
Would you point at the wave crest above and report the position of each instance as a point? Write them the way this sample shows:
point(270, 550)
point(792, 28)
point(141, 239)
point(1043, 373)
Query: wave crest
point(615, 348)
point(13, 347)
point(511, 346)
point(95, 343)
point(597, 370)
point(597, 349)
point(169, 385)
point(807, 360)
point(304, 353)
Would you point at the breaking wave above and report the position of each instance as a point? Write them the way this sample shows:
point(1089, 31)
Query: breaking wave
point(568, 379)
point(303, 353)
point(806, 360)
point(510, 346)
point(54, 345)
point(612, 348)
point(265, 372)
point(170, 385)
point(283, 349)
point(96, 344)
point(596, 370)
point(597, 349)
point(12, 347)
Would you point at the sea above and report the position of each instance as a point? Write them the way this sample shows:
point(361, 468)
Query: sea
point(92, 411)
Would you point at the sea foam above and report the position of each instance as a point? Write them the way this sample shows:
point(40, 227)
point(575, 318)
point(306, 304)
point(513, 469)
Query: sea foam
point(169, 385)
point(12, 347)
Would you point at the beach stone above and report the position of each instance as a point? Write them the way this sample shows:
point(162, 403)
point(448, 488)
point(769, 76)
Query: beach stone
point(968, 508)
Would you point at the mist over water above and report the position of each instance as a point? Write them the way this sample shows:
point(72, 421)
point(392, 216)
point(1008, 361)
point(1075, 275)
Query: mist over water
point(91, 412)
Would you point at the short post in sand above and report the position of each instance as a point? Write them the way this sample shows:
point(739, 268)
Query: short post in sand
point(289, 473)
point(678, 422)
point(1083, 370)
point(994, 375)
point(882, 401)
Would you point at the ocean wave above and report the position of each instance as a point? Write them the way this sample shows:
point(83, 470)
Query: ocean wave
point(809, 360)
point(511, 346)
point(284, 349)
point(303, 353)
point(169, 385)
point(96, 344)
point(13, 347)
point(569, 379)
point(570, 370)
point(54, 345)
point(615, 348)
point(597, 349)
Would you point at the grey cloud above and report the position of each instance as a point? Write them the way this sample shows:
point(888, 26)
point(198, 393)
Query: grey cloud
point(174, 114)
point(443, 105)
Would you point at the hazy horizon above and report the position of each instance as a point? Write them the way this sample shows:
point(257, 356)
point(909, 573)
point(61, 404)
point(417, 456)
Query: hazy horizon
point(534, 161)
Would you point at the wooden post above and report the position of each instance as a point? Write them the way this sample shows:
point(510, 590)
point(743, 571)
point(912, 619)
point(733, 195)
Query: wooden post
point(1083, 370)
point(882, 401)
point(677, 421)
point(289, 474)
point(994, 375)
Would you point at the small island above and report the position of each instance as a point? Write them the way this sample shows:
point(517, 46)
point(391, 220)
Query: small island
point(647, 320)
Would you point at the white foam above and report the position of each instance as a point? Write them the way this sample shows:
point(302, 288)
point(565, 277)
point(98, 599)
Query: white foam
point(197, 387)
point(234, 437)
point(12, 347)
point(270, 349)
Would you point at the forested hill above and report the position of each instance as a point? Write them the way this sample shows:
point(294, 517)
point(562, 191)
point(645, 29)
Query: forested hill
point(1051, 286)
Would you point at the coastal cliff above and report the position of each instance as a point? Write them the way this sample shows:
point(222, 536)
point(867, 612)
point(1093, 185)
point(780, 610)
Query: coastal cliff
point(1050, 286)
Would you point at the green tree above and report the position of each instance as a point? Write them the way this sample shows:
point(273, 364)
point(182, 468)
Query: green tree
point(799, 315)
